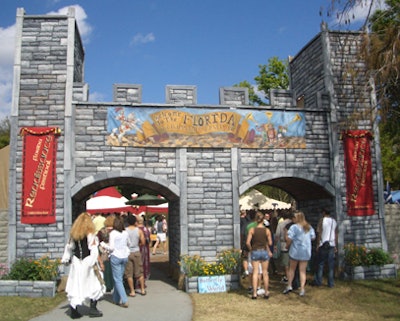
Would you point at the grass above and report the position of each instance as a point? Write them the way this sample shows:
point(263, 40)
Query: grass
point(359, 300)
point(16, 308)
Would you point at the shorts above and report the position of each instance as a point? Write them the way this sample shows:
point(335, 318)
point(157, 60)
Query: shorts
point(134, 266)
point(162, 237)
point(284, 259)
point(259, 255)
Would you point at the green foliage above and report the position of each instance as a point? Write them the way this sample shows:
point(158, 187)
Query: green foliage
point(390, 155)
point(358, 255)
point(274, 75)
point(274, 192)
point(42, 269)
point(253, 98)
point(4, 132)
point(228, 262)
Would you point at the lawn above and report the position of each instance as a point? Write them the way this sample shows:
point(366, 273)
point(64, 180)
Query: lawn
point(360, 300)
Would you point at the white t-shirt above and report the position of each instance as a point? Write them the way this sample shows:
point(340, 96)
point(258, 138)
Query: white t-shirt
point(328, 231)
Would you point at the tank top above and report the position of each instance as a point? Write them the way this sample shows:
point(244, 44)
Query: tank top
point(259, 240)
point(134, 238)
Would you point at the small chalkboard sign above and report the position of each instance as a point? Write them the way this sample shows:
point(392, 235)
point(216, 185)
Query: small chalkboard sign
point(211, 284)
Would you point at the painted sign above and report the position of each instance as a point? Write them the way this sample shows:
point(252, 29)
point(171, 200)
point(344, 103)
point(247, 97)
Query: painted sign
point(204, 128)
point(39, 175)
point(357, 152)
point(211, 284)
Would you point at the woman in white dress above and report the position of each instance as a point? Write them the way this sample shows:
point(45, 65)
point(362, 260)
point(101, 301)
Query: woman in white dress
point(82, 253)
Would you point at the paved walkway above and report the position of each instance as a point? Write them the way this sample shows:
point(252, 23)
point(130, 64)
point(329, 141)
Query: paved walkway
point(163, 302)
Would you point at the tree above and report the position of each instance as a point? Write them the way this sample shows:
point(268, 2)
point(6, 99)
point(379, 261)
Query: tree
point(4, 132)
point(273, 75)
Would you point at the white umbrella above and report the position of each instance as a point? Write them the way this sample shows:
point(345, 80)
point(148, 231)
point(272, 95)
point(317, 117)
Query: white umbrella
point(257, 200)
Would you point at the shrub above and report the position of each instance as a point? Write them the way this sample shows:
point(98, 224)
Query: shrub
point(43, 269)
point(359, 255)
point(228, 262)
point(3, 270)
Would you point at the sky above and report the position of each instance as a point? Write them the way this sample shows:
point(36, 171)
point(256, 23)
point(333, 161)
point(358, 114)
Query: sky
point(204, 43)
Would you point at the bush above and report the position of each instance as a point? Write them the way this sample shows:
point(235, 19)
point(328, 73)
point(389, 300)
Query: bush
point(228, 262)
point(42, 269)
point(358, 255)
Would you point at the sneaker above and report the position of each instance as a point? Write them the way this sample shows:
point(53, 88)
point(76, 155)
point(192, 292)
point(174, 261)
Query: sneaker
point(245, 274)
point(284, 280)
point(260, 292)
point(302, 293)
point(287, 290)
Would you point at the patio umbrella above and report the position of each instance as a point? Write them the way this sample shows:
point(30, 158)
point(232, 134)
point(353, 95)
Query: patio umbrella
point(147, 199)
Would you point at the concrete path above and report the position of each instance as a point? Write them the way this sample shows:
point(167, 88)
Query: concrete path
point(163, 302)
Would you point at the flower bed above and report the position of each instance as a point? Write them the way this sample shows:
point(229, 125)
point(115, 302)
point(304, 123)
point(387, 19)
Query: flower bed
point(363, 264)
point(227, 264)
point(29, 277)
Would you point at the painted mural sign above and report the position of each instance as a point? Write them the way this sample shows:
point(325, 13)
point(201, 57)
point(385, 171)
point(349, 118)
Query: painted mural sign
point(204, 128)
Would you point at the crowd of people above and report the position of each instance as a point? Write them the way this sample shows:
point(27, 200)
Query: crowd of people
point(109, 253)
point(112, 254)
point(286, 243)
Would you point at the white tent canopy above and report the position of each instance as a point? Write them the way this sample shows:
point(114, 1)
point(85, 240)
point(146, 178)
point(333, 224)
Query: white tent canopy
point(256, 200)
point(107, 200)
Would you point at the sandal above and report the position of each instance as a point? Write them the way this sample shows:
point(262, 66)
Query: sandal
point(143, 293)
point(132, 294)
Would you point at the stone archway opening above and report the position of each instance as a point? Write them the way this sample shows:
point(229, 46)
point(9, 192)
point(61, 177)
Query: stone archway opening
point(127, 185)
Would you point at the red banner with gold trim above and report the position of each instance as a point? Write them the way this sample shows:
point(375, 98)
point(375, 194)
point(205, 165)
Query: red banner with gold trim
point(357, 152)
point(39, 175)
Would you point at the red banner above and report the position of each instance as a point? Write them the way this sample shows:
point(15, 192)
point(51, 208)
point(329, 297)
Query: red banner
point(39, 175)
point(357, 155)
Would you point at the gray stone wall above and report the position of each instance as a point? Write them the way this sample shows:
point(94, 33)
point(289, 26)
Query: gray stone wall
point(202, 185)
point(42, 80)
point(3, 236)
point(392, 220)
point(328, 79)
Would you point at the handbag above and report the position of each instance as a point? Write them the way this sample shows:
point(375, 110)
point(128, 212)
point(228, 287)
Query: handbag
point(326, 245)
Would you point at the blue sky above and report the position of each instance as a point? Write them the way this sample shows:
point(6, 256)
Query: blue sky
point(155, 43)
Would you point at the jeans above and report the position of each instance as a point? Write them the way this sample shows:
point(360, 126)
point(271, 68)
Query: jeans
point(118, 269)
point(325, 255)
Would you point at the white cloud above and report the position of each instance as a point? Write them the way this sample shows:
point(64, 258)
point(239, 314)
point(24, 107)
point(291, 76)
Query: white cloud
point(85, 28)
point(142, 39)
point(96, 96)
point(7, 41)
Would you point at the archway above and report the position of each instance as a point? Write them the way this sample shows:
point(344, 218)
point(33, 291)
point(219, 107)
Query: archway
point(140, 181)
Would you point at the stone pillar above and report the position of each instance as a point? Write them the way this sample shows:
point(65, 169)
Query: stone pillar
point(127, 93)
point(181, 95)
point(236, 96)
